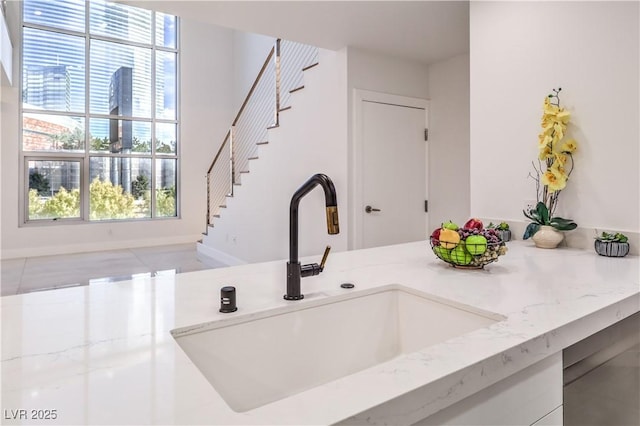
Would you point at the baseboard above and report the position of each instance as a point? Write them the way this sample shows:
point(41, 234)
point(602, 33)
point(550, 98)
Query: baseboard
point(580, 238)
point(210, 256)
point(94, 246)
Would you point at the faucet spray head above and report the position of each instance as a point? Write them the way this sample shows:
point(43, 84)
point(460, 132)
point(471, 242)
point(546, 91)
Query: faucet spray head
point(333, 224)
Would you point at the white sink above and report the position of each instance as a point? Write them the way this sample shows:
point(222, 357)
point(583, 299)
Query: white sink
point(254, 361)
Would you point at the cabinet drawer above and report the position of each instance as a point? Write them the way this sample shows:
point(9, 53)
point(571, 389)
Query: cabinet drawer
point(521, 399)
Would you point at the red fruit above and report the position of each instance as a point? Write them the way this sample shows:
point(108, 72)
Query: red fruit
point(435, 237)
point(474, 223)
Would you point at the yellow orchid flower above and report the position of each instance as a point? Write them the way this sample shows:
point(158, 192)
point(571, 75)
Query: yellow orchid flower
point(548, 129)
point(560, 174)
point(558, 170)
point(559, 129)
point(545, 153)
point(563, 116)
point(569, 146)
point(554, 152)
point(554, 181)
point(544, 140)
point(550, 109)
point(547, 121)
point(560, 159)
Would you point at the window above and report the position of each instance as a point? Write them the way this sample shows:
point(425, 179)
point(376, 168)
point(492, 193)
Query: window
point(99, 112)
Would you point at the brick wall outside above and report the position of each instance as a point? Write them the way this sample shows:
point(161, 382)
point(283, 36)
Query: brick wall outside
point(37, 134)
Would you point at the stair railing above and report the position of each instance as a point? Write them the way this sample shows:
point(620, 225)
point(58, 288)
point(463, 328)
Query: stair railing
point(281, 73)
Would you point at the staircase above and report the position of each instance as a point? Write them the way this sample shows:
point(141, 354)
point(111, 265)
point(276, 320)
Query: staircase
point(281, 76)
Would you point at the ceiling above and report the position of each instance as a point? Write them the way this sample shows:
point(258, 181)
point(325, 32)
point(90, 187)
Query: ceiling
point(423, 31)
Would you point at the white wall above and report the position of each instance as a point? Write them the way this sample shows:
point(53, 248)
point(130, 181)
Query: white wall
point(249, 53)
point(205, 100)
point(311, 139)
point(519, 51)
point(385, 74)
point(6, 52)
point(449, 185)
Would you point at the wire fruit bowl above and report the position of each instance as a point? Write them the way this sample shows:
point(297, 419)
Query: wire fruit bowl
point(472, 253)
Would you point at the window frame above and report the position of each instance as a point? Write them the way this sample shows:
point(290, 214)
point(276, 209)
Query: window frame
point(85, 157)
point(41, 156)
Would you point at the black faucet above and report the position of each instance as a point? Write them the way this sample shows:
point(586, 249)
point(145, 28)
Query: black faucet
point(295, 271)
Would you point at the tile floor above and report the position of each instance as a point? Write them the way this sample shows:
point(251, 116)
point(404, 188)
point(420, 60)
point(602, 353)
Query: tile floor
point(26, 275)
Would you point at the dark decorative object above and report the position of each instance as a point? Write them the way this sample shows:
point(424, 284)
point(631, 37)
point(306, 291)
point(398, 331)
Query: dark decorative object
point(612, 245)
point(502, 229)
point(505, 234)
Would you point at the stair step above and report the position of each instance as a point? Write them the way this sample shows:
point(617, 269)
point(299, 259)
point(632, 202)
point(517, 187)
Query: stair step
point(309, 66)
point(296, 89)
point(237, 184)
point(200, 240)
point(244, 171)
point(252, 158)
point(262, 143)
point(274, 126)
point(285, 108)
point(216, 216)
point(223, 206)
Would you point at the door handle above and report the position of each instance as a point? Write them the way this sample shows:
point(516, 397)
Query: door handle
point(370, 209)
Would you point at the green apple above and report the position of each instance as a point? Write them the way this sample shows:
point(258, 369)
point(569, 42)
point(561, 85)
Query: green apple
point(442, 253)
point(476, 244)
point(460, 256)
point(450, 225)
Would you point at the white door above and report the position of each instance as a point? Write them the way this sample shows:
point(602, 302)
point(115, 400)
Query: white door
point(393, 178)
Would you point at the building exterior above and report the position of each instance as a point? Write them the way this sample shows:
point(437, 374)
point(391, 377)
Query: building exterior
point(48, 87)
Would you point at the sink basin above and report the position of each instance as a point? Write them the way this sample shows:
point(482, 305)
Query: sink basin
point(253, 361)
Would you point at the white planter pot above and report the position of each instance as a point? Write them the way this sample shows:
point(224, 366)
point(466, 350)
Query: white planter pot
point(547, 237)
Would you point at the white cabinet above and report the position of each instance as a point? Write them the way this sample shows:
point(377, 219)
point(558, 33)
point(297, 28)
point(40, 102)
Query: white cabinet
point(554, 418)
point(531, 396)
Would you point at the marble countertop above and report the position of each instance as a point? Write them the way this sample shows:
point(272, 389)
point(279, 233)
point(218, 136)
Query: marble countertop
point(104, 354)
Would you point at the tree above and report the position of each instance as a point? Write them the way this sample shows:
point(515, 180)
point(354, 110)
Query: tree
point(63, 204)
point(98, 144)
point(35, 205)
point(39, 182)
point(140, 146)
point(166, 202)
point(69, 140)
point(140, 186)
point(165, 148)
point(107, 201)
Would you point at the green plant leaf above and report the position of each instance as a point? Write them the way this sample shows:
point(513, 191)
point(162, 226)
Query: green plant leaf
point(531, 229)
point(543, 212)
point(610, 237)
point(531, 215)
point(564, 226)
point(560, 220)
